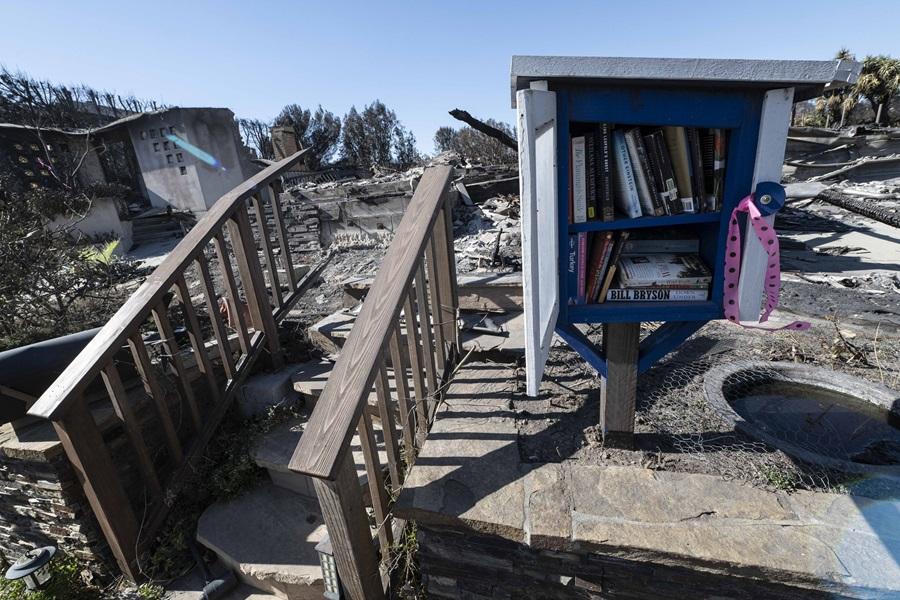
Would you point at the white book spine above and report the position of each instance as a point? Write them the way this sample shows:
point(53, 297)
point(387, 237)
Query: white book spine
point(579, 191)
point(626, 188)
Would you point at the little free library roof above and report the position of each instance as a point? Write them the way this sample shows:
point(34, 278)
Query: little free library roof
point(807, 77)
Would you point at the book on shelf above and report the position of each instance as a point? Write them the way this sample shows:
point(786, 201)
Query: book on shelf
point(655, 241)
point(662, 173)
point(712, 142)
point(626, 193)
point(676, 142)
point(697, 179)
point(590, 175)
point(657, 295)
point(662, 270)
point(601, 251)
point(644, 171)
point(618, 245)
point(579, 180)
point(573, 266)
point(646, 186)
point(582, 268)
point(604, 173)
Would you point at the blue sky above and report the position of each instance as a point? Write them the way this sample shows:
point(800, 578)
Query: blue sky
point(420, 58)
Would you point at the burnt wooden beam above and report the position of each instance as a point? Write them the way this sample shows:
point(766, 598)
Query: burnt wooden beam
point(484, 128)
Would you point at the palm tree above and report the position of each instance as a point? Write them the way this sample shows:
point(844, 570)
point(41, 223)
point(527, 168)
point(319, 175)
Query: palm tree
point(878, 82)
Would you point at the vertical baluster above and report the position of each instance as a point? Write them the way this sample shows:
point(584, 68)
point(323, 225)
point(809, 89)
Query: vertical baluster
point(195, 334)
point(425, 329)
point(407, 420)
point(376, 481)
point(415, 359)
point(156, 392)
point(170, 345)
point(260, 211)
point(83, 443)
point(281, 234)
point(388, 427)
point(254, 285)
point(215, 316)
point(119, 398)
point(437, 312)
point(447, 257)
point(235, 306)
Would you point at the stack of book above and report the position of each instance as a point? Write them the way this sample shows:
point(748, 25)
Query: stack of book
point(645, 171)
point(642, 266)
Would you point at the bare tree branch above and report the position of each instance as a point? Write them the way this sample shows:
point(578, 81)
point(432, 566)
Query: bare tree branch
point(484, 128)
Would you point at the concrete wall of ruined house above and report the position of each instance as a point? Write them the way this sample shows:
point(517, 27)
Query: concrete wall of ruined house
point(215, 131)
point(212, 130)
point(102, 222)
point(90, 171)
point(163, 183)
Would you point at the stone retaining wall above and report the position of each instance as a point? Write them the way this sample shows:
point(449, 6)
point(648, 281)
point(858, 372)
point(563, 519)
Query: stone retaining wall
point(456, 564)
point(41, 501)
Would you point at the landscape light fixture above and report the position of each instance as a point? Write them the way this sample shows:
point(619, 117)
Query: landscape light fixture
point(33, 567)
point(329, 570)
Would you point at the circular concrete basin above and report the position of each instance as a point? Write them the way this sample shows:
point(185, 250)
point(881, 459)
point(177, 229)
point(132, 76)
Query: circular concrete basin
point(813, 414)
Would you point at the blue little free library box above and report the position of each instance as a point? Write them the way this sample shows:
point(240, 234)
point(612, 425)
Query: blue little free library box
point(747, 103)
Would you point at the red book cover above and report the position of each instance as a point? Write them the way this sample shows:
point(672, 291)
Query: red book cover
point(600, 251)
point(582, 266)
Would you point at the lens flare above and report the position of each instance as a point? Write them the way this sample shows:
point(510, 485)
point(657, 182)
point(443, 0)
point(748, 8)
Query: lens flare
point(197, 152)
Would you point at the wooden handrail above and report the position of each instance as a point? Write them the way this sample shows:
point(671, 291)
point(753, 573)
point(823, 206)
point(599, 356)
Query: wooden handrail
point(418, 279)
point(334, 420)
point(99, 351)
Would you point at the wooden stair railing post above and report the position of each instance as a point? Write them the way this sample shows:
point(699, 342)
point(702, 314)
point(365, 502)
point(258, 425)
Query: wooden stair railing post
point(415, 359)
point(259, 210)
point(157, 394)
point(347, 522)
point(407, 417)
point(215, 316)
point(195, 334)
point(233, 298)
point(425, 329)
point(281, 234)
point(436, 296)
point(173, 350)
point(251, 274)
point(449, 274)
point(84, 446)
point(132, 427)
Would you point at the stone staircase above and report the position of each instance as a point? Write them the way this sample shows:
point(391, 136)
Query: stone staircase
point(155, 225)
point(268, 536)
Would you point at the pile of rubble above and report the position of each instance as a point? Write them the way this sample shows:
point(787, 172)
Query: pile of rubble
point(838, 230)
point(487, 235)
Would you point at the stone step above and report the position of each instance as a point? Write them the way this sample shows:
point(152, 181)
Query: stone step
point(273, 453)
point(491, 291)
point(330, 333)
point(139, 238)
point(145, 225)
point(268, 537)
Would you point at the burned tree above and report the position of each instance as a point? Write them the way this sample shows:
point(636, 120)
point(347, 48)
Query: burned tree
point(319, 131)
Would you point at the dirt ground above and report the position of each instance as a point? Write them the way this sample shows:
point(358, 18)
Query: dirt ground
point(675, 427)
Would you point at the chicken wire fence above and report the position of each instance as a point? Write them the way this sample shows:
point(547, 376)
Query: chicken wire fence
point(672, 405)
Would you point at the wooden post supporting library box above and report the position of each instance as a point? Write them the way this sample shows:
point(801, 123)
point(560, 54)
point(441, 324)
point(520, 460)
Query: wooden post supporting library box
point(672, 145)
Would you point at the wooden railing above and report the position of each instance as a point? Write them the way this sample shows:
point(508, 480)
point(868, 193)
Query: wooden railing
point(414, 297)
point(188, 380)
